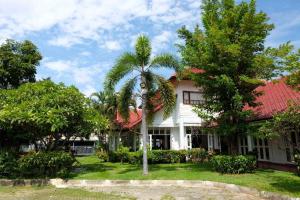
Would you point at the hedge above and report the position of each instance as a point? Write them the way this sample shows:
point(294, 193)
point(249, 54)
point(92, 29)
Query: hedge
point(233, 164)
point(36, 164)
point(157, 156)
point(46, 164)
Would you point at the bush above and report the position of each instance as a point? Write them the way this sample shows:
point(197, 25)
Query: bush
point(167, 156)
point(233, 164)
point(102, 154)
point(8, 165)
point(135, 157)
point(297, 161)
point(121, 155)
point(46, 164)
point(158, 156)
point(198, 155)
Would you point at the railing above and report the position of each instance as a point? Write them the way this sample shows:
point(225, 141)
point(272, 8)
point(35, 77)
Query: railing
point(83, 150)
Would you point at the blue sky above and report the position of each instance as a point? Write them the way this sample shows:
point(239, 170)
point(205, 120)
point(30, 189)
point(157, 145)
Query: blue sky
point(80, 39)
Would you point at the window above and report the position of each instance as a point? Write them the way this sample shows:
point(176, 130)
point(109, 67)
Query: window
point(243, 145)
point(262, 148)
point(193, 98)
point(159, 138)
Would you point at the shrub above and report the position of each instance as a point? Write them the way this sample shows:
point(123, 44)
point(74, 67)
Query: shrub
point(297, 161)
point(8, 164)
point(135, 157)
point(102, 154)
point(167, 156)
point(46, 164)
point(198, 155)
point(121, 155)
point(233, 164)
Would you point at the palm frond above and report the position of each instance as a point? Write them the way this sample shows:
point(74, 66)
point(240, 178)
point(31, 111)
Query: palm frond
point(143, 50)
point(124, 65)
point(165, 61)
point(167, 95)
point(125, 98)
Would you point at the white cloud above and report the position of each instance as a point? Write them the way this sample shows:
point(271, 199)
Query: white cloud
point(73, 21)
point(59, 66)
point(88, 90)
point(160, 41)
point(112, 45)
point(74, 72)
point(85, 53)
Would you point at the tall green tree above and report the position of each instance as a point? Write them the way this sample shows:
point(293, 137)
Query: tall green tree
point(45, 112)
point(230, 49)
point(284, 61)
point(18, 62)
point(141, 66)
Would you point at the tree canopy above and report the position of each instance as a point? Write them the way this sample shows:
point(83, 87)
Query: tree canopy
point(18, 62)
point(46, 112)
point(229, 49)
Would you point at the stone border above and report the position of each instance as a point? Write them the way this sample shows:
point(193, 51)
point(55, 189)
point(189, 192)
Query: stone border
point(60, 183)
point(24, 182)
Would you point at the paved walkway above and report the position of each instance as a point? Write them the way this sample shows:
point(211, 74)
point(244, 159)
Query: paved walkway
point(168, 190)
point(176, 192)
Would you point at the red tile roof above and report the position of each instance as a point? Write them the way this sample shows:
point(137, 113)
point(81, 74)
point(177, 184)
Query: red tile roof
point(135, 117)
point(275, 98)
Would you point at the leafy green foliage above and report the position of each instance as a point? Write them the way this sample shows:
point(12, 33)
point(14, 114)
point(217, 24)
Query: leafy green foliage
point(46, 164)
point(102, 154)
point(297, 161)
point(8, 164)
point(233, 164)
point(126, 95)
point(160, 156)
point(45, 112)
point(285, 61)
point(227, 49)
point(18, 61)
point(283, 123)
point(140, 62)
point(197, 155)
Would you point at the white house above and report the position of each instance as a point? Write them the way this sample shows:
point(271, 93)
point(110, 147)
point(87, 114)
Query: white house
point(183, 129)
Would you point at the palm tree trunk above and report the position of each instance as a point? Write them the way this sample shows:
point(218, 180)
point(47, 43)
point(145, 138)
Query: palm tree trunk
point(144, 127)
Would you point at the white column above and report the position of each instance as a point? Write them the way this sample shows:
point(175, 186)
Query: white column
point(249, 142)
point(181, 135)
point(141, 141)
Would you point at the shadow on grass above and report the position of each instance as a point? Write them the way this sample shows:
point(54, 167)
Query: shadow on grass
point(203, 167)
point(287, 184)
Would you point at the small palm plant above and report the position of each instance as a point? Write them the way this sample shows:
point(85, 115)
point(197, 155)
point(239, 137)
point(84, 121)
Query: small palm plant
point(153, 87)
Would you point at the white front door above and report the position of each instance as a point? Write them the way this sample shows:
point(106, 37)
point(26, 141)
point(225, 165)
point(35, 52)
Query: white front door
point(189, 141)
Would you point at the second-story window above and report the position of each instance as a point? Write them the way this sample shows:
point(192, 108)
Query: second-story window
point(193, 98)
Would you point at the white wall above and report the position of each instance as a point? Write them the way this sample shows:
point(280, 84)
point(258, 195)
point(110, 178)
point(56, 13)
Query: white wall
point(181, 111)
point(175, 138)
point(185, 112)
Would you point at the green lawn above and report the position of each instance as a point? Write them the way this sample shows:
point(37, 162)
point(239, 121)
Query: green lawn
point(41, 193)
point(262, 179)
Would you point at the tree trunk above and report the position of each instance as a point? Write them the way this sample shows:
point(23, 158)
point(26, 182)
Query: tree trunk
point(144, 126)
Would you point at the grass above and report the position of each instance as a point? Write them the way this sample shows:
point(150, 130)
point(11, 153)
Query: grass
point(41, 193)
point(263, 179)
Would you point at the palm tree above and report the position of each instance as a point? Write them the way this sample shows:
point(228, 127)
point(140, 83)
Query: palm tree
point(153, 87)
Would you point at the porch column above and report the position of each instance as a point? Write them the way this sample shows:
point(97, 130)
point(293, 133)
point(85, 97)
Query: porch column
point(249, 142)
point(181, 135)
